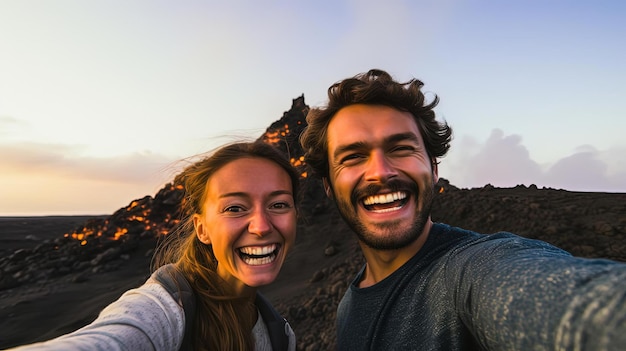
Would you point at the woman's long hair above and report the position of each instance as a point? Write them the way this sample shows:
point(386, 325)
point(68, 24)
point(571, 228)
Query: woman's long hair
point(219, 318)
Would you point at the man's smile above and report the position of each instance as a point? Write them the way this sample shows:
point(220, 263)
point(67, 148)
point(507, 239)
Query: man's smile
point(385, 202)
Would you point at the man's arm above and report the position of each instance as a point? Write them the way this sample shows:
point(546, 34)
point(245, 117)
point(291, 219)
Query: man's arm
point(523, 294)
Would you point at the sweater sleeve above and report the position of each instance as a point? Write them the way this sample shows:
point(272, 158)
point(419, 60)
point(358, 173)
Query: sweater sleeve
point(520, 294)
point(145, 318)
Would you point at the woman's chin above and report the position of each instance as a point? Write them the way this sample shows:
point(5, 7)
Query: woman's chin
point(260, 280)
point(256, 275)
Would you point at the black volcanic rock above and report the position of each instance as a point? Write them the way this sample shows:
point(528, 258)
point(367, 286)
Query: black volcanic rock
point(284, 133)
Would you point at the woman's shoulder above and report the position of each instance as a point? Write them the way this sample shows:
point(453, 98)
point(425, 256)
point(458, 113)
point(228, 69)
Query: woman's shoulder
point(280, 332)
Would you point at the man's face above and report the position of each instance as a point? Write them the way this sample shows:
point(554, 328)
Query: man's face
point(380, 174)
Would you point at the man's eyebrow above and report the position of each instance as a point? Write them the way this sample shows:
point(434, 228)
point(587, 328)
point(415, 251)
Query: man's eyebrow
point(408, 136)
point(360, 145)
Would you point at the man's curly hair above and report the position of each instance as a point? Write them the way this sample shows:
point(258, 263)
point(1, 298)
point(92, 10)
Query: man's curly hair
point(375, 87)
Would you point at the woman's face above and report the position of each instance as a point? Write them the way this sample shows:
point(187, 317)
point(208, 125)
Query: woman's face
point(249, 217)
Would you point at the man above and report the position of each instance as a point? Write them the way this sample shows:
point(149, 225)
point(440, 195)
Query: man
point(430, 286)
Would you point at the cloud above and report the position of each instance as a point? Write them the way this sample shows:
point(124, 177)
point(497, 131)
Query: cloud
point(588, 170)
point(67, 160)
point(503, 161)
point(46, 179)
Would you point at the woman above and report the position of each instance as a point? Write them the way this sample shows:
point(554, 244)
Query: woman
point(240, 224)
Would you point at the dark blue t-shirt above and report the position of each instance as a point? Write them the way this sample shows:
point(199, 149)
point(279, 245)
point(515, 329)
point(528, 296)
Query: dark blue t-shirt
point(470, 291)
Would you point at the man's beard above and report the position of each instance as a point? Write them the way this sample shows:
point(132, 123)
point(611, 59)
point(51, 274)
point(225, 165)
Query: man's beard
point(394, 237)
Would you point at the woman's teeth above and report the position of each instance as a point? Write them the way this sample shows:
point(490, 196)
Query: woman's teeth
point(258, 255)
point(258, 250)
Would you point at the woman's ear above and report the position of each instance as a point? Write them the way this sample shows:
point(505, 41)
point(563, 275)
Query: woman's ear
point(201, 230)
point(328, 188)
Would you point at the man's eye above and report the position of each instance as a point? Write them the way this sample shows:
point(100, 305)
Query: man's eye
point(351, 157)
point(403, 148)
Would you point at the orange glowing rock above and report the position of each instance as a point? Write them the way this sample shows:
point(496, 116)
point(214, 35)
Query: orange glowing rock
point(120, 232)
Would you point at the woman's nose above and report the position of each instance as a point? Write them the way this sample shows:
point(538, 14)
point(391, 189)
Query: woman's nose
point(259, 224)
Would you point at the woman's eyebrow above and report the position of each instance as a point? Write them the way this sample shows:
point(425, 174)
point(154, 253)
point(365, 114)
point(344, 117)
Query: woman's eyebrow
point(246, 195)
point(233, 194)
point(281, 192)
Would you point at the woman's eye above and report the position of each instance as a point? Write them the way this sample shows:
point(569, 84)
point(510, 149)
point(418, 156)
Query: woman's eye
point(233, 209)
point(281, 205)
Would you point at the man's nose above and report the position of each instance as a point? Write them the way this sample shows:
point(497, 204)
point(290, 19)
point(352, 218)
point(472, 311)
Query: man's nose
point(379, 168)
point(259, 223)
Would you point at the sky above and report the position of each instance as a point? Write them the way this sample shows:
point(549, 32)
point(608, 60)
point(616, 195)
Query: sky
point(104, 101)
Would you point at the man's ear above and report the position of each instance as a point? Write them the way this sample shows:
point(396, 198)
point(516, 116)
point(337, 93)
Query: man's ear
point(201, 230)
point(328, 188)
point(435, 167)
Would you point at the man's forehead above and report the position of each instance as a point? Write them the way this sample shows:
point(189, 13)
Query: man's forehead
point(368, 126)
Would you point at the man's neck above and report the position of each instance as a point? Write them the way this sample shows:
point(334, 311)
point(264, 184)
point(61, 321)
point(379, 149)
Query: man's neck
point(381, 263)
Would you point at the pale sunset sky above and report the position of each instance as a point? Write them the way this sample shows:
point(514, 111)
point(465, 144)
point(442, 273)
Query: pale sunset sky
point(100, 100)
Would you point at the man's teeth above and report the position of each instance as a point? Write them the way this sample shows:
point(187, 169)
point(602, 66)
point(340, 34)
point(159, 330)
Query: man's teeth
point(258, 255)
point(384, 199)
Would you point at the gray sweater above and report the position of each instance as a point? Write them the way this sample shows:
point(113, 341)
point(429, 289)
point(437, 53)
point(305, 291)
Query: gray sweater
point(145, 318)
point(468, 291)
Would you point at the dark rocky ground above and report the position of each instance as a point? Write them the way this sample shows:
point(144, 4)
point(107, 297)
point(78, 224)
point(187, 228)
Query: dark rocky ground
point(57, 273)
point(318, 270)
